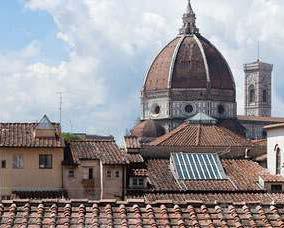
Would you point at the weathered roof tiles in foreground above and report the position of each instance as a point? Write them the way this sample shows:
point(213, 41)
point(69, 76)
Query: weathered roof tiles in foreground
point(138, 214)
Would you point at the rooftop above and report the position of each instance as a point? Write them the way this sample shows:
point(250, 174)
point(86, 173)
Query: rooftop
point(200, 135)
point(85, 213)
point(23, 135)
point(162, 178)
point(105, 150)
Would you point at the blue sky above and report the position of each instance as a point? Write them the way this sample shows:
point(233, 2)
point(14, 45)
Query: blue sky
point(97, 52)
point(20, 26)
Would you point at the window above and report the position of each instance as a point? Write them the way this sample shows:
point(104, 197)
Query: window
point(91, 173)
point(45, 161)
point(18, 162)
point(264, 96)
point(136, 182)
point(156, 109)
point(116, 173)
point(108, 174)
point(71, 173)
point(3, 164)
point(276, 188)
point(251, 94)
point(278, 160)
point(221, 109)
point(188, 108)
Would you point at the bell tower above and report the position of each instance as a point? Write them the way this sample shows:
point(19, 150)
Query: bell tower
point(258, 88)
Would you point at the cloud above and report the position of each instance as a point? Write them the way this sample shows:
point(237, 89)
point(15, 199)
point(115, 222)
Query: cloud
point(112, 44)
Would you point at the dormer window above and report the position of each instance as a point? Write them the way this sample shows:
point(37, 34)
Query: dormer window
point(45, 129)
point(193, 166)
point(137, 182)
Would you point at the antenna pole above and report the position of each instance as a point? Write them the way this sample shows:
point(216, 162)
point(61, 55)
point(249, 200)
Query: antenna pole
point(60, 106)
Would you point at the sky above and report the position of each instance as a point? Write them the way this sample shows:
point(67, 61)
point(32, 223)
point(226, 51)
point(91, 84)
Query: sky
point(96, 52)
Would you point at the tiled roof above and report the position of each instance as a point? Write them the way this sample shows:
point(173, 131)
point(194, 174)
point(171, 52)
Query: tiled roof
point(198, 135)
point(138, 172)
point(22, 135)
point(138, 214)
point(132, 142)
point(134, 158)
point(243, 175)
point(261, 119)
point(179, 198)
point(105, 150)
point(260, 142)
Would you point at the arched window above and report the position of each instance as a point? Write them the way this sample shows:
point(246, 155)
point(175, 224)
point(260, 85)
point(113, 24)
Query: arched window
point(264, 96)
point(251, 94)
point(278, 159)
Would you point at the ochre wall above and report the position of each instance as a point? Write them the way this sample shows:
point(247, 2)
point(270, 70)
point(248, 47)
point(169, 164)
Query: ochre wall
point(31, 177)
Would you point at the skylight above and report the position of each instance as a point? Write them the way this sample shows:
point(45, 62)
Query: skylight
point(193, 166)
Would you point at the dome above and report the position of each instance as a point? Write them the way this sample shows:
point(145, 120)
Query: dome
point(187, 77)
point(148, 129)
point(188, 62)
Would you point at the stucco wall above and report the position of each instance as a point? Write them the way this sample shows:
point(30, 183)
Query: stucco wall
point(274, 137)
point(31, 177)
point(112, 186)
point(74, 185)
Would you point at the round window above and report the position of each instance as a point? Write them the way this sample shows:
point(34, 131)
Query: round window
point(221, 109)
point(188, 108)
point(156, 109)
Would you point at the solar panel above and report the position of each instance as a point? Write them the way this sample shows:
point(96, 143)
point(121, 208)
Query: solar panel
point(193, 166)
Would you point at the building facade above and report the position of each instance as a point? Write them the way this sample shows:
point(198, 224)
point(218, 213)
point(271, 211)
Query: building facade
point(31, 155)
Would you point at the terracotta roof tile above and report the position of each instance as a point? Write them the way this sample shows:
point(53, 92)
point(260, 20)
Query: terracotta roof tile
point(132, 142)
point(71, 214)
point(180, 198)
point(199, 135)
point(138, 172)
point(22, 135)
point(105, 150)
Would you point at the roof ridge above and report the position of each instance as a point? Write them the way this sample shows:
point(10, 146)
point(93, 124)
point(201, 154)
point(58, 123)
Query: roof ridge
point(198, 135)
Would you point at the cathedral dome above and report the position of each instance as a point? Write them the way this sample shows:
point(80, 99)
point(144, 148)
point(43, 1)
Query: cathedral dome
point(187, 77)
point(188, 62)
